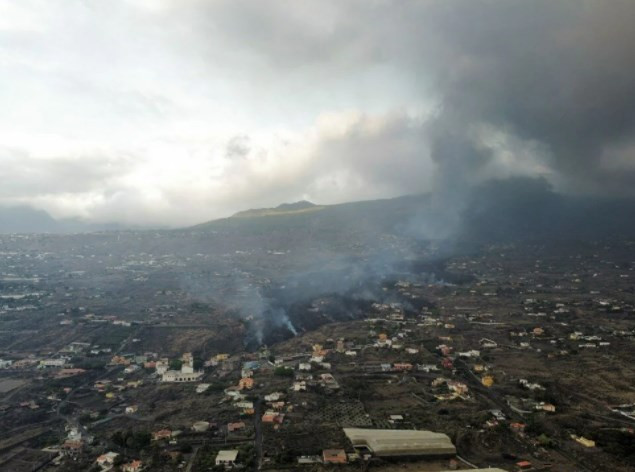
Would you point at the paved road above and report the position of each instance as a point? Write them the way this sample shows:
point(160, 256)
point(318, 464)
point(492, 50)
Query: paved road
point(258, 429)
point(192, 459)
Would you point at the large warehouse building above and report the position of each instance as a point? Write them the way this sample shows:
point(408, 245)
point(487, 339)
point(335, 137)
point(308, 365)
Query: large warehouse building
point(400, 442)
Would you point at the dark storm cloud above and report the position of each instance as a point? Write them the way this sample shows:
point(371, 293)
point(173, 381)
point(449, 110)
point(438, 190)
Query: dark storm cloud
point(561, 73)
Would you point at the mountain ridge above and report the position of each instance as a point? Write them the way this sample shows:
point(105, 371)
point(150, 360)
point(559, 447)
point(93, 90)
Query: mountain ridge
point(283, 208)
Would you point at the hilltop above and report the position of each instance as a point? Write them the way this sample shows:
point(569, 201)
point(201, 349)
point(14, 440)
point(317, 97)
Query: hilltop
point(323, 224)
point(283, 209)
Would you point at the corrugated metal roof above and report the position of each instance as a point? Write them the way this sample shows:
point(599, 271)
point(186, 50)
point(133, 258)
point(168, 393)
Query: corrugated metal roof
point(401, 442)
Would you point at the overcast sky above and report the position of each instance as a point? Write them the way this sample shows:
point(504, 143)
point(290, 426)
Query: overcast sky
point(174, 112)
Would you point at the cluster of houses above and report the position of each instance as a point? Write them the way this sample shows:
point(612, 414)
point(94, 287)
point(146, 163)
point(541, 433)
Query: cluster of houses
point(76, 443)
point(312, 370)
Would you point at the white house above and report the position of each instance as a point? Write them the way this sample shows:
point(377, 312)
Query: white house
point(274, 397)
point(227, 457)
point(52, 363)
point(178, 376)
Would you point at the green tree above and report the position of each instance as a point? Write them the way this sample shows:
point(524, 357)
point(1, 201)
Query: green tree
point(283, 371)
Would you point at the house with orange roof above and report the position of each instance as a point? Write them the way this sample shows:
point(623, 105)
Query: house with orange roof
point(161, 434)
point(246, 383)
point(134, 466)
point(334, 456)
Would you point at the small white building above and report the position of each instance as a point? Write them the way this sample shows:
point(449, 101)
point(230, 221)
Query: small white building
point(200, 426)
point(227, 458)
point(470, 353)
point(131, 369)
point(52, 363)
point(274, 397)
point(488, 343)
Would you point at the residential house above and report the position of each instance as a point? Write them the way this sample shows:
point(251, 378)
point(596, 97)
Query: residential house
point(119, 360)
point(134, 466)
point(458, 387)
point(274, 397)
point(517, 427)
point(107, 461)
point(52, 363)
point(334, 456)
point(470, 353)
point(246, 383)
point(161, 434)
point(444, 349)
point(227, 458)
point(72, 448)
point(488, 343)
point(548, 407)
point(272, 417)
point(233, 427)
point(244, 404)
